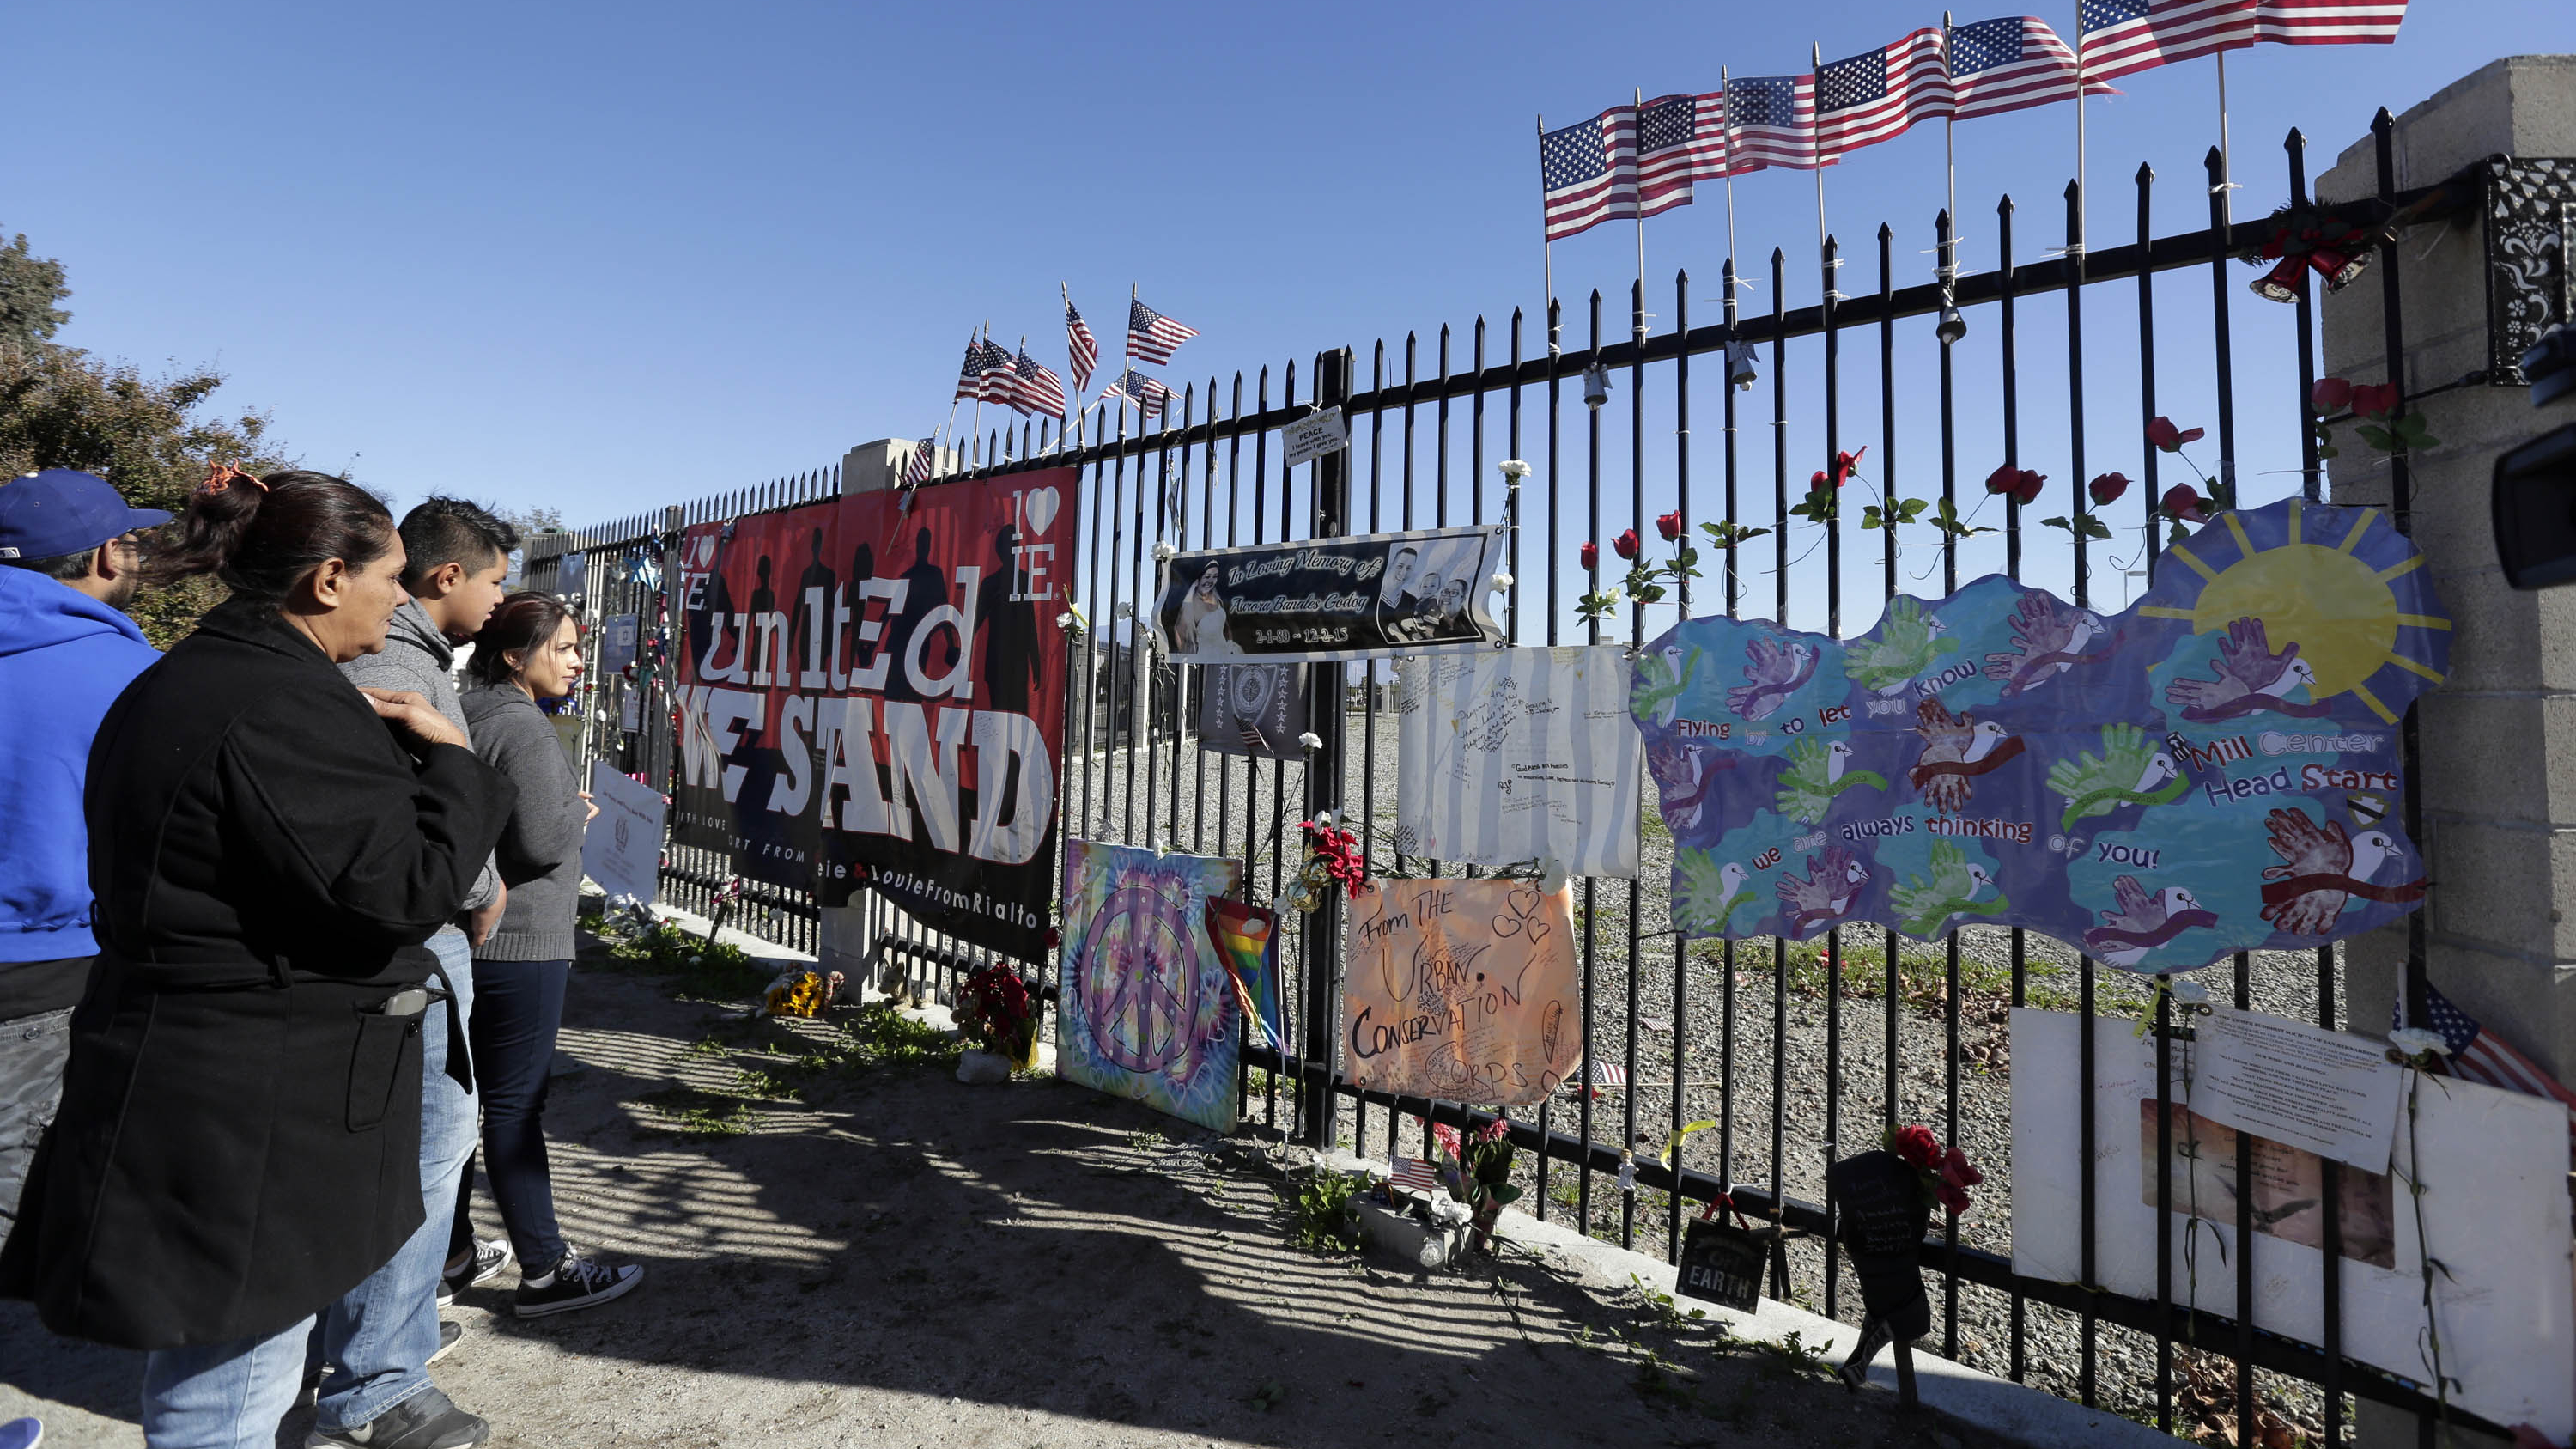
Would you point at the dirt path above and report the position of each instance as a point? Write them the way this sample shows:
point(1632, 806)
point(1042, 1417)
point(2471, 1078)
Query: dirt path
point(845, 1246)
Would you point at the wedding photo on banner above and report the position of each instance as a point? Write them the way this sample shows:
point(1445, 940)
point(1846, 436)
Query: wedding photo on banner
point(1462, 990)
point(2492, 1240)
point(2214, 769)
point(871, 692)
point(1519, 756)
point(1331, 598)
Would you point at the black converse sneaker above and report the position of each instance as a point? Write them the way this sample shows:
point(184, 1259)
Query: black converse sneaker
point(579, 1281)
point(426, 1420)
point(489, 1258)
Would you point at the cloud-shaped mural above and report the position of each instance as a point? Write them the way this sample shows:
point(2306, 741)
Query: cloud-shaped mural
point(2214, 769)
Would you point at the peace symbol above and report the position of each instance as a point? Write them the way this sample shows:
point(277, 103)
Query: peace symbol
point(1139, 981)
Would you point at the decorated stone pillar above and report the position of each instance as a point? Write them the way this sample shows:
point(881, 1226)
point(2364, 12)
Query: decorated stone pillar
point(2497, 771)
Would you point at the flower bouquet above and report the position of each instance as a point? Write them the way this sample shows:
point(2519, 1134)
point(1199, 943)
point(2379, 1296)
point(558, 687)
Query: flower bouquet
point(999, 1017)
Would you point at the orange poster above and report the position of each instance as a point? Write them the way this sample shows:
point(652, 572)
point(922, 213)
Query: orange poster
point(1462, 990)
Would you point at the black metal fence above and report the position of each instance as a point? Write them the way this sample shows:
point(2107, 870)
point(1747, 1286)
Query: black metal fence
point(1791, 1025)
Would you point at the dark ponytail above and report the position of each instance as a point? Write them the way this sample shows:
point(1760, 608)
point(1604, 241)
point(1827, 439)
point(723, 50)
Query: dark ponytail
point(524, 621)
point(261, 536)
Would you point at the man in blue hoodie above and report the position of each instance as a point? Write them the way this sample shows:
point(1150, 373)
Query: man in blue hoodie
point(68, 565)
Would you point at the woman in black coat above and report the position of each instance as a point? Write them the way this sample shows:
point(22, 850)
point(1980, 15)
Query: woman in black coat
point(238, 1142)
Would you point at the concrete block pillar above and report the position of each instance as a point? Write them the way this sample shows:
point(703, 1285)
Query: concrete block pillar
point(2497, 766)
point(868, 468)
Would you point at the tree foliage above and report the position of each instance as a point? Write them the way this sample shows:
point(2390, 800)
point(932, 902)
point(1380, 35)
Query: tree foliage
point(152, 437)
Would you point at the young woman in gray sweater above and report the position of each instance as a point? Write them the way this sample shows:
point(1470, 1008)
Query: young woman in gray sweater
point(530, 649)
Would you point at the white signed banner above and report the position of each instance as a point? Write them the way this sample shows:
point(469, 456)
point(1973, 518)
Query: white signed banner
point(1520, 755)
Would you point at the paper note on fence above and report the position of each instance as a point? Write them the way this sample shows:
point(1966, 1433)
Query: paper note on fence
point(622, 846)
point(2329, 1092)
point(1463, 990)
point(1520, 755)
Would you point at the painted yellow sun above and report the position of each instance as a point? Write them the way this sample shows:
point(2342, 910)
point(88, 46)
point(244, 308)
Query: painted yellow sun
point(2337, 608)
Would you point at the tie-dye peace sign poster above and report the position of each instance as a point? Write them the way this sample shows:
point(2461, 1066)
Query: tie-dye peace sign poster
point(1145, 1006)
point(2214, 769)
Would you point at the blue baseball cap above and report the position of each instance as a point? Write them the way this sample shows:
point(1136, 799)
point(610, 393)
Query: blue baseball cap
point(63, 511)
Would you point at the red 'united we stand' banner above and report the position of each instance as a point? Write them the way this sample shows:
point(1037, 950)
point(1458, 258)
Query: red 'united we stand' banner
point(874, 695)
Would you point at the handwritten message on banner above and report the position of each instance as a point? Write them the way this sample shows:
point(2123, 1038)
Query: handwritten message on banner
point(2213, 770)
point(1463, 990)
point(1521, 755)
point(1333, 598)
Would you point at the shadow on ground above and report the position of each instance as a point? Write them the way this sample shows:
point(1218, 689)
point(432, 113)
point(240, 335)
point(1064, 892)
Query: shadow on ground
point(900, 1259)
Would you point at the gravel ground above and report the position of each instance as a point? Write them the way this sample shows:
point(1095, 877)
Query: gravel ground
point(1836, 1079)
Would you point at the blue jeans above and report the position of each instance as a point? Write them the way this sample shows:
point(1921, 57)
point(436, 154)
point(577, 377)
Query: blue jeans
point(519, 1007)
point(379, 1336)
point(222, 1395)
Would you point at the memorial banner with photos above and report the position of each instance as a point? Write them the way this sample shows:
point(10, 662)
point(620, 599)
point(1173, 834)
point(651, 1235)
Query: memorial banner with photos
point(1462, 990)
point(1519, 756)
point(871, 692)
point(1331, 598)
point(2215, 769)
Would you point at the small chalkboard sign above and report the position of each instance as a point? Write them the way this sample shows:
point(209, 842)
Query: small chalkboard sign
point(1880, 1218)
point(1722, 1263)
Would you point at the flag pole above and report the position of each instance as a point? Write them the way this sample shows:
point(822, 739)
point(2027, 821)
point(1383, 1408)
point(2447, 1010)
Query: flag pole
point(1950, 127)
point(1726, 117)
point(2226, 178)
point(1547, 247)
point(1815, 67)
point(1637, 159)
point(2083, 198)
point(979, 385)
point(1127, 362)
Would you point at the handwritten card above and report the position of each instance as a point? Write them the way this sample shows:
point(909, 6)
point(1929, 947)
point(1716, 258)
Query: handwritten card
point(1462, 990)
point(1520, 755)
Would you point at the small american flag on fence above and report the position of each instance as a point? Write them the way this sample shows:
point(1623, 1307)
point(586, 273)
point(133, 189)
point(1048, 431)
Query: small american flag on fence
point(1153, 336)
point(925, 457)
point(1082, 350)
point(1680, 139)
point(970, 377)
point(1415, 1175)
point(1149, 394)
point(1877, 94)
point(1000, 376)
point(2011, 64)
point(2328, 22)
point(1039, 390)
point(1587, 173)
point(2118, 37)
point(2478, 1055)
point(1772, 119)
point(1608, 1074)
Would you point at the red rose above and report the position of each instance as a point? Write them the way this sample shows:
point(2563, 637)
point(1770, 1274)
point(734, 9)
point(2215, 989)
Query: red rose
point(1958, 1171)
point(1626, 544)
point(1816, 479)
point(2026, 486)
point(1670, 526)
point(2001, 481)
point(2184, 502)
point(1846, 464)
point(1446, 1136)
point(2330, 395)
point(2164, 435)
point(1590, 556)
point(1953, 1198)
point(2377, 400)
point(1917, 1146)
point(2107, 488)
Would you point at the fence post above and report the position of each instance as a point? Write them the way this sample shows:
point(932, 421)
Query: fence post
point(1327, 709)
point(2494, 767)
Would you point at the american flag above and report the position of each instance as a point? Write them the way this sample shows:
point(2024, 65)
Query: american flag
point(2328, 22)
point(1680, 139)
point(1609, 1074)
point(970, 378)
point(2009, 65)
point(1151, 335)
point(1149, 394)
point(925, 457)
point(1039, 390)
point(1587, 173)
point(1878, 93)
point(2478, 1055)
point(1415, 1175)
point(1082, 349)
point(1773, 121)
point(2118, 37)
point(997, 375)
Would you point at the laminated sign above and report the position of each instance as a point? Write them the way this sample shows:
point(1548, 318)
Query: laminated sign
point(2213, 770)
point(871, 691)
point(1521, 756)
point(1463, 990)
point(1331, 598)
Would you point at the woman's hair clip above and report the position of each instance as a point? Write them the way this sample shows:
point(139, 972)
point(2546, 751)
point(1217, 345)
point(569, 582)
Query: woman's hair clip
point(225, 475)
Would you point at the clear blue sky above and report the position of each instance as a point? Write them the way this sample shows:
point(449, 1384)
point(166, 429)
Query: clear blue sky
point(601, 257)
